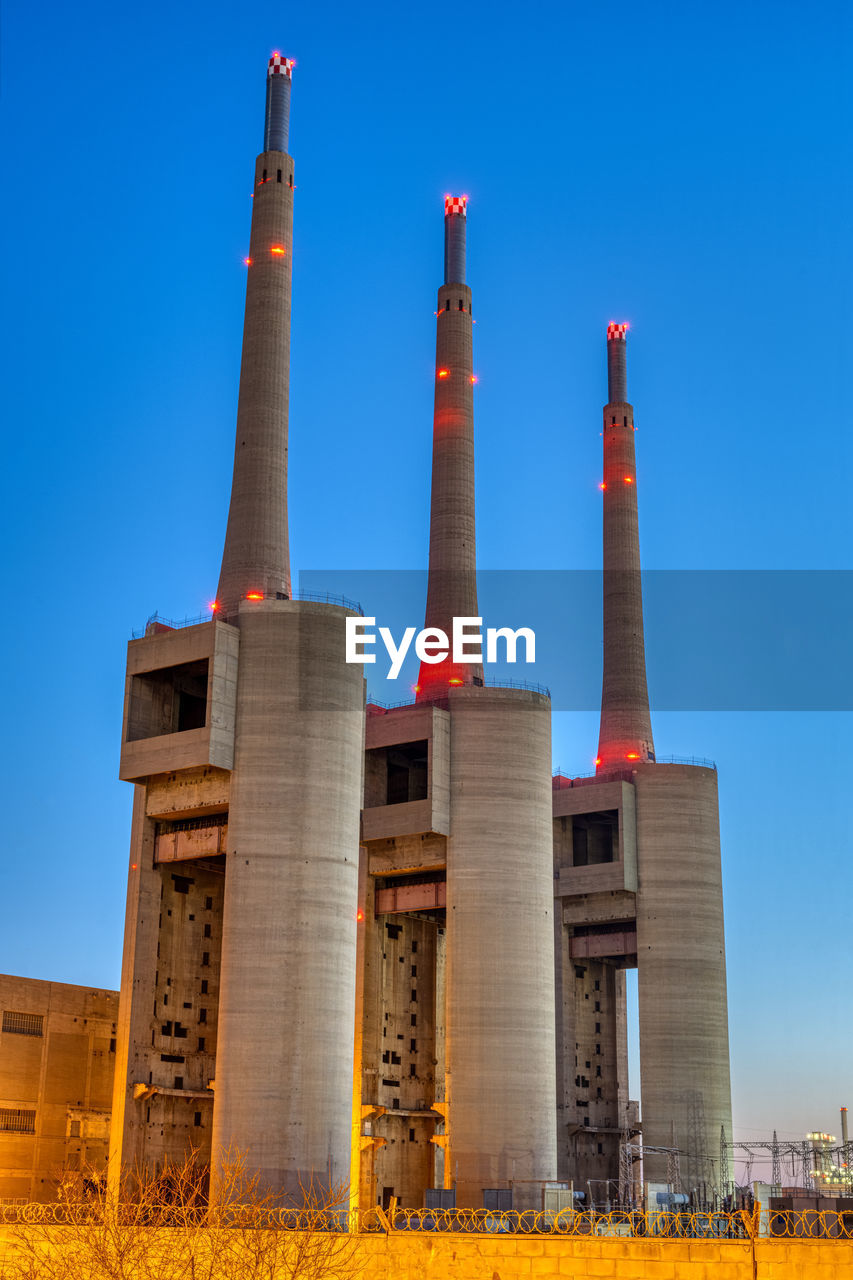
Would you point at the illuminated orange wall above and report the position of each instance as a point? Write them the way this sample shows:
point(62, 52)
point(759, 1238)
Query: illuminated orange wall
point(405, 1256)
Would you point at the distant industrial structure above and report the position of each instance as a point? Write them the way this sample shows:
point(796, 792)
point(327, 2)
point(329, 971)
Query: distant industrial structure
point(381, 947)
point(57, 1057)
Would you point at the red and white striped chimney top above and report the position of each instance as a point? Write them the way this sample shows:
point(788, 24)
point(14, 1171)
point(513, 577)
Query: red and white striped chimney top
point(617, 332)
point(280, 66)
point(455, 204)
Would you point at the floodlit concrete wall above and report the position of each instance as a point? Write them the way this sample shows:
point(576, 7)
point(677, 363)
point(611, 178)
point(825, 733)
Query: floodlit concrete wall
point(684, 1039)
point(430, 1256)
point(500, 1053)
point(287, 1002)
point(57, 1056)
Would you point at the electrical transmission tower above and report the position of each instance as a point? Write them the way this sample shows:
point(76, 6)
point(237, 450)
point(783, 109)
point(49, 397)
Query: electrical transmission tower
point(626, 1170)
point(697, 1144)
point(726, 1182)
point(673, 1166)
point(776, 1174)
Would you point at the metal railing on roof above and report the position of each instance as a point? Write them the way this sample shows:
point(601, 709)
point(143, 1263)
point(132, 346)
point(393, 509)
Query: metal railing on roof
point(323, 597)
point(318, 597)
point(440, 696)
point(700, 761)
point(171, 624)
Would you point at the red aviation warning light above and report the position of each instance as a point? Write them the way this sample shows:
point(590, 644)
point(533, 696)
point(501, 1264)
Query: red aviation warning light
point(443, 373)
point(277, 249)
point(602, 486)
point(254, 595)
point(214, 606)
point(629, 480)
point(617, 332)
point(247, 262)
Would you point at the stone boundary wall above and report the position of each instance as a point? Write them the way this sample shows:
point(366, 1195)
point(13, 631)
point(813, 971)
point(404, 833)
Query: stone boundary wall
point(426, 1256)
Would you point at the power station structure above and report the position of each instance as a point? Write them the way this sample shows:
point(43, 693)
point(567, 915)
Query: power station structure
point(379, 947)
point(638, 881)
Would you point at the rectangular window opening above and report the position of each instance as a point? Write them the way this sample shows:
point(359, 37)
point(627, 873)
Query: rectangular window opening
point(15, 1120)
point(23, 1024)
point(170, 700)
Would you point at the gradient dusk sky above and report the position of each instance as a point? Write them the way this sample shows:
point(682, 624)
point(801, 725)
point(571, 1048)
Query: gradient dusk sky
point(684, 168)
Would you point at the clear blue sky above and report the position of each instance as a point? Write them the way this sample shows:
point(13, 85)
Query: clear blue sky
point(685, 168)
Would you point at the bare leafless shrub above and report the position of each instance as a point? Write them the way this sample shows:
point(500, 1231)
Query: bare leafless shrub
point(160, 1226)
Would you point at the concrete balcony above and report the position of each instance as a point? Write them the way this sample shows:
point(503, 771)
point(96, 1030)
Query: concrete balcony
point(180, 700)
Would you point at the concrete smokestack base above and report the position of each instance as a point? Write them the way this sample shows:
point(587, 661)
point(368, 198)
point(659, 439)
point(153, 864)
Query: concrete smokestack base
point(501, 1074)
point(287, 999)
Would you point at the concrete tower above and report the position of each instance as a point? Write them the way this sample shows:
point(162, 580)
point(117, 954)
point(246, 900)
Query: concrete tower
point(638, 875)
point(457, 883)
point(244, 736)
point(452, 585)
point(626, 729)
point(256, 557)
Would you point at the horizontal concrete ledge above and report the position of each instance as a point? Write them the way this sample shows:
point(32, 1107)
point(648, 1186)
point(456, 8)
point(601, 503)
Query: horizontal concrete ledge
point(143, 1091)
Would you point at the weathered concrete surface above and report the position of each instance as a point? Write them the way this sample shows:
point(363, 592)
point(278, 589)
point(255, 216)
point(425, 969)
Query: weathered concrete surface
point(684, 1038)
point(153, 738)
point(167, 1026)
point(257, 556)
point(415, 1256)
point(452, 587)
point(57, 1057)
point(500, 962)
point(287, 1003)
point(626, 730)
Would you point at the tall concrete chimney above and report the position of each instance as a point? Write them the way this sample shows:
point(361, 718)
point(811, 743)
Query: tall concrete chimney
point(845, 1137)
point(452, 587)
point(256, 559)
point(626, 728)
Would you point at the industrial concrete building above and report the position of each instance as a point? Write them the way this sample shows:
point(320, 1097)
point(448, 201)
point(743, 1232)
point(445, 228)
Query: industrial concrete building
point(244, 739)
point(342, 925)
point(57, 1055)
point(638, 877)
point(456, 792)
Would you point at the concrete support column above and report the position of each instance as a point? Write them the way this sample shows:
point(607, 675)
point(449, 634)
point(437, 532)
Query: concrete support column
point(500, 1052)
point(287, 1003)
point(684, 1038)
